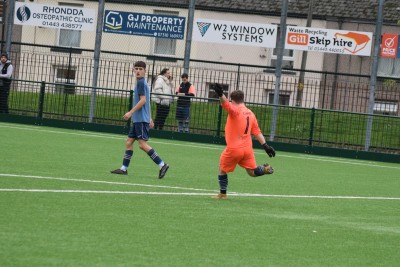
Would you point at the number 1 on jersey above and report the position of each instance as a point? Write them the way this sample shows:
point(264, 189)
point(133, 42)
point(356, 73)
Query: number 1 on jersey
point(247, 125)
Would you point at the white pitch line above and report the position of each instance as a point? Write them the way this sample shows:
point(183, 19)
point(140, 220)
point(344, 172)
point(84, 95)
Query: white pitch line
point(321, 197)
point(102, 182)
point(367, 164)
point(166, 187)
point(189, 194)
point(83, 133)
point(215, 147)
point(102, 192)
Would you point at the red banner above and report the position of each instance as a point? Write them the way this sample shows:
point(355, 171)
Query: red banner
point(389, 45)
point(2, 9)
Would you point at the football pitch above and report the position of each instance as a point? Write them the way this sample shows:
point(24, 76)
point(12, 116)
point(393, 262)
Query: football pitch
point(60, 206)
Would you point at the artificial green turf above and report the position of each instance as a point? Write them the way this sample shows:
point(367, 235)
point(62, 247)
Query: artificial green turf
point(104, 229)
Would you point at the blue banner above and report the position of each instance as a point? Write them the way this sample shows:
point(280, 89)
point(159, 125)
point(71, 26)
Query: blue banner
point(152, 25)
point(398, 47)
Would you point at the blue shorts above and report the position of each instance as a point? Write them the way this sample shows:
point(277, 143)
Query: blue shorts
point(182, 113)
point(139, 130)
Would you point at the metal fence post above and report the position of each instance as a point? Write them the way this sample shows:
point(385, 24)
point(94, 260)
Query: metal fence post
point(238, 78)
point(219, 122)
point(152, 73)
point(374, 71)
point(128, 123)
point(189, 31)
point(324, 91)
point(312, 125)
point(10, 23)
point(278, 68)
point(96, 57)
point(41, 100)
point(300, 85)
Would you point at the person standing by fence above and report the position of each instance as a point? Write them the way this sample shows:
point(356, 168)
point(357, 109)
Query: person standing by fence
point(185, 92)
point(5, 81)
point(162, 96)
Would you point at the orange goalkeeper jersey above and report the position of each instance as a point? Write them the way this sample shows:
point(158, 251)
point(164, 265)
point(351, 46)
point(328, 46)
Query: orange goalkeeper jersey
point(241, 123)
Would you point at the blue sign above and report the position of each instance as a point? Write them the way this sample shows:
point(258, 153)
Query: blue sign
point(153, 25)
point(398, 46)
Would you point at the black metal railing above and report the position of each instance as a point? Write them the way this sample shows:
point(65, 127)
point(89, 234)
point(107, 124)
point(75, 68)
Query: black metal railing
point(320, 90)
point(308, 126)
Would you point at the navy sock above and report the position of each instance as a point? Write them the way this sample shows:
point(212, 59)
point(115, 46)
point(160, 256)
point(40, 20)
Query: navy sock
point(259, 171)
point(154, 156)
point(223, 183)
point(127, 158)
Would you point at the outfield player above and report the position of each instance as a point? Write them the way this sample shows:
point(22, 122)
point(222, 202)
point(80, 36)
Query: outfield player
point(141, 123)
point(240, 125)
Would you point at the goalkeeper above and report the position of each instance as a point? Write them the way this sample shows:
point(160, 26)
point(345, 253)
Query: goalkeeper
point(240, 124)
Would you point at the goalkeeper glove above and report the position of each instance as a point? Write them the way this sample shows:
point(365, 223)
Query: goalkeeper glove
point(269, 150)
point(218, 89)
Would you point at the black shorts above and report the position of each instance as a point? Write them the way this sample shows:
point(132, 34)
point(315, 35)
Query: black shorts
point(139, 130)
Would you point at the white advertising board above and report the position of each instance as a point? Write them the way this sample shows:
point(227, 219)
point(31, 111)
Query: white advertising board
point(328, 41)
point(235, 33)
point(50, 16)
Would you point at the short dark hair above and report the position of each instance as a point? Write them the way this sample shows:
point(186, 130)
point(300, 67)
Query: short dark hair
point(237, 96)
point(184, 75)
point(4, 55)
point(140, 64)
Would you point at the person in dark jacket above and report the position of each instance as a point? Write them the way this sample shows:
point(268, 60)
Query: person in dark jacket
point(5, 81)
point(185, 92)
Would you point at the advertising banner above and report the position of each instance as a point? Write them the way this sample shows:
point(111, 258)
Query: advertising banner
point(236, 33)
point(389, 45)
point(152, 25)
point(2, 9)
point(50, 16)
point(398, 47)
point(328, 41)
